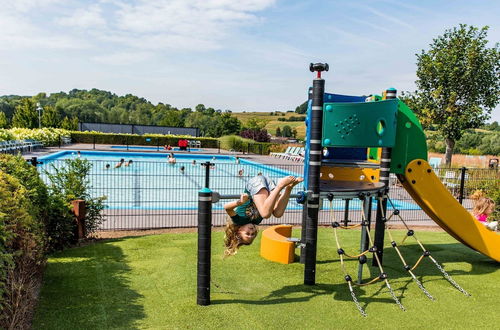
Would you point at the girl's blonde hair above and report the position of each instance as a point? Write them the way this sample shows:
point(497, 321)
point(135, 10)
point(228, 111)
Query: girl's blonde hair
point(232, 240)
point(483, 204)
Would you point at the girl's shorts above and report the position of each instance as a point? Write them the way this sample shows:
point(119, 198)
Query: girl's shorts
point(255, 184)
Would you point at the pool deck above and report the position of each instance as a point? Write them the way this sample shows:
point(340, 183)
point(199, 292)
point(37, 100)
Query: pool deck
point(263, 159)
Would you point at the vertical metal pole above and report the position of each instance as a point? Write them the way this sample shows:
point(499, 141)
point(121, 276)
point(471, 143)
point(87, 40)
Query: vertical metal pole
point(385, 167)
point(218, 146)
point(93, 139)
point(207, 174)
point(34, 161)
point(313, 174)
point(462, 185)
point(303, 233)
point(59, 140)
point(364, 235)
point(204, 246)
point(127, 138)
point(346, 212)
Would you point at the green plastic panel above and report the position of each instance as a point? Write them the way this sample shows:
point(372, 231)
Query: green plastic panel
point(410, 140)
point(370, 124)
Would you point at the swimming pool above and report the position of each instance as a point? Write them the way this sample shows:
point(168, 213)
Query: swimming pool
point(151, 183)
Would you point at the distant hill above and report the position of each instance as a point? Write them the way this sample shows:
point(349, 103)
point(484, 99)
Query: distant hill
point(272, 122)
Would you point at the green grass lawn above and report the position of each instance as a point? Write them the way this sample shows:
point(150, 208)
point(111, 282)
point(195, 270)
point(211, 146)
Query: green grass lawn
point(149, 282)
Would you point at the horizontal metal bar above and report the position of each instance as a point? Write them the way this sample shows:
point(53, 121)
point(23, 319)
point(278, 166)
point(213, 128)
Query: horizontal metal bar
point(231, 196)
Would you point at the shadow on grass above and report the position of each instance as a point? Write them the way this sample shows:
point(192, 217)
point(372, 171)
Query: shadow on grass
point(87, 287)
point(399, 279)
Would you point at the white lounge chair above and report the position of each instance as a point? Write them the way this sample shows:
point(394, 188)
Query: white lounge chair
point(279, 154)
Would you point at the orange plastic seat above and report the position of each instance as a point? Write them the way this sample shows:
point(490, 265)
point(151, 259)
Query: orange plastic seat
point(274, 245)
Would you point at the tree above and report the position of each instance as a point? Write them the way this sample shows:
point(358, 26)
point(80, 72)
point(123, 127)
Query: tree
point(255, 124)
point(301, 109)
point(287, 131)
point(70, 124)
point(458, 82)
point(3, 120)
point(278, 131)
point(50, 117)
point(25, 115)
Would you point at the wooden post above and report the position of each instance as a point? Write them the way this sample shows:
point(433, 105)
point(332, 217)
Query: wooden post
point(79, 211)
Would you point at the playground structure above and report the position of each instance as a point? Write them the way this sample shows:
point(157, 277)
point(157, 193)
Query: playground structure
point(353, 143)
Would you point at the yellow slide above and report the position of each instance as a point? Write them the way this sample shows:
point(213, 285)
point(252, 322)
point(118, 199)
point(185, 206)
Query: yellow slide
point(428, 191)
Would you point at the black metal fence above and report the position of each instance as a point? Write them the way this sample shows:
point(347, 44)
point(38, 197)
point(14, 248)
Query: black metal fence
point(147, 195)
point(138, 129)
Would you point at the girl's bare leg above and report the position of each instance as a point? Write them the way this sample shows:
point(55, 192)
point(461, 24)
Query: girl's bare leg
point(265, 200)
point(281, 204)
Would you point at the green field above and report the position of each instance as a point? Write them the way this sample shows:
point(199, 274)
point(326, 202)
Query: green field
point(149, 282)
point(272, 122)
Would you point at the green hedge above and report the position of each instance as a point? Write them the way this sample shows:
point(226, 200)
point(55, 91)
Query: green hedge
point(237, 143)
point(134, 139)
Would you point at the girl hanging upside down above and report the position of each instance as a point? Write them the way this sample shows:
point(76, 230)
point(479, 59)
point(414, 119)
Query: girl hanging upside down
point(262, 199)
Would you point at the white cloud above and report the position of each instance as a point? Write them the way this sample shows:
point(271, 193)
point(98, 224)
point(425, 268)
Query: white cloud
point(122, 58)
point(84, 18)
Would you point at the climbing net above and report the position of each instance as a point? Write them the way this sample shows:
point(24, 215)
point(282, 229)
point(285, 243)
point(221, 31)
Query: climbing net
point(362, 259)
point(425, 253)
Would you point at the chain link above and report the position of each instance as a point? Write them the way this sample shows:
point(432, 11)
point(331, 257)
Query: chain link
point(358, 305)
point(394, 296)
point(422, 287)
point(448, 277)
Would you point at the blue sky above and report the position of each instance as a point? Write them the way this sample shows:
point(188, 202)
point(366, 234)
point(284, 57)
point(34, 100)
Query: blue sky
point(246, 55)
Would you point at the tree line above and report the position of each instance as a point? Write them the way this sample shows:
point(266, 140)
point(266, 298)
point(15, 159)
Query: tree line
point(66, 110)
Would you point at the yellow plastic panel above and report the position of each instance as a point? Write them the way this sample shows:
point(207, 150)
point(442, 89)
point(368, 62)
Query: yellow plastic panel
point(428, 191)
point(274, 245)
point(350, 174)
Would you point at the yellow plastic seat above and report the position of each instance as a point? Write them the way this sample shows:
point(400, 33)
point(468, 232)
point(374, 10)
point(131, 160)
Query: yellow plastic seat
point(274, 245)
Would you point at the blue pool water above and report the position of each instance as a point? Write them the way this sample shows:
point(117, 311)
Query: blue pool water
point(151, 183)
point(152, 148)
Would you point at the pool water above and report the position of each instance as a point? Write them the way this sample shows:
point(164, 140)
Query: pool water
point(150, 183)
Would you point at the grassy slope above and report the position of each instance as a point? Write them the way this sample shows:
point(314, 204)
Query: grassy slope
point(272, 121)
point(150, 282)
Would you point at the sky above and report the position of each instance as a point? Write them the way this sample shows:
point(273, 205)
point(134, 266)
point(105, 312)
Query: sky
point(245, 55)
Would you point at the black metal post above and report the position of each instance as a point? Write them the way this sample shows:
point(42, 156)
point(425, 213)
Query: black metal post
point(314, 172)
point(127, 139)
point(207, 174)
point(346, 212)
point(34, 161)
point(303, 233)
point(93, 139)
point(364, 235)
point(204, 246)
point(59, 140)
point(385, 167)
point(218, 146)
point(462, 185)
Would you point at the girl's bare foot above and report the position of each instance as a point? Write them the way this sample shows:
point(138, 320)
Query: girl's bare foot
point(283, 182)
point(295, 182)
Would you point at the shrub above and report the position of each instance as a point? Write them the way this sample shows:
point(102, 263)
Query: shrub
point(36, 190)
point(71, 182)
point(21, 252)
point(49, 136)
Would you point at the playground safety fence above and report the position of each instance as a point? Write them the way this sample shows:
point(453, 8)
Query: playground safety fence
point(149, 195)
